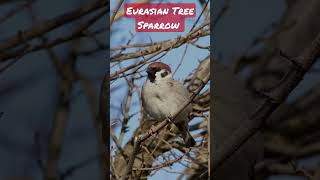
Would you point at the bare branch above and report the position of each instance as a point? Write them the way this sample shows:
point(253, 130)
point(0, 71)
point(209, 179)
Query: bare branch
point(273, 100)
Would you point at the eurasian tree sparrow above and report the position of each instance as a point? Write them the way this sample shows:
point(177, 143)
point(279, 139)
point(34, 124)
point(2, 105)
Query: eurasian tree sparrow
point(162, 96)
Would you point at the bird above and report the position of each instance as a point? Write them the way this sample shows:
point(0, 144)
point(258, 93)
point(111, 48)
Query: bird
point(162, 97)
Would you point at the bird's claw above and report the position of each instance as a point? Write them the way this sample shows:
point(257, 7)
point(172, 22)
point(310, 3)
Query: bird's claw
point(152, 131)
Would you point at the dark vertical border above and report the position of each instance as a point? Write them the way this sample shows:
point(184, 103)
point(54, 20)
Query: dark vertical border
point(104, 104)
point(211, 124)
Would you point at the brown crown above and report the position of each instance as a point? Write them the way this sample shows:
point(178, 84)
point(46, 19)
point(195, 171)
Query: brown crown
point(157, 66)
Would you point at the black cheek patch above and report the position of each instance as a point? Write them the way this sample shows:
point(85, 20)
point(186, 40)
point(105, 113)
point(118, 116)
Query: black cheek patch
point(164, 74)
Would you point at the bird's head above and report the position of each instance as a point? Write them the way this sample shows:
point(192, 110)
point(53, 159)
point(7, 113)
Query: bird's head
point(157, 71)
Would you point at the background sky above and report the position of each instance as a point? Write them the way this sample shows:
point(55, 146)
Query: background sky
point(122, 32)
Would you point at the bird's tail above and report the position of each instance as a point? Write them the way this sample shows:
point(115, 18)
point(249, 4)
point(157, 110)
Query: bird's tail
point(188, 139)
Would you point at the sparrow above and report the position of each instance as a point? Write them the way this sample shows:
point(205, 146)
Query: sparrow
point(162, 97)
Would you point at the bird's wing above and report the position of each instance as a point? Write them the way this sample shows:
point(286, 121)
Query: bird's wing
point(183, 94)
point(177, 84)
point(142, 96)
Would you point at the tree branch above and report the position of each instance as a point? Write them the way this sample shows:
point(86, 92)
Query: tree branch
point(273, 99)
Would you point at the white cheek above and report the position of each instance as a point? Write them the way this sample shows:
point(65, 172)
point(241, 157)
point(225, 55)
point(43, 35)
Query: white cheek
point(158, 75)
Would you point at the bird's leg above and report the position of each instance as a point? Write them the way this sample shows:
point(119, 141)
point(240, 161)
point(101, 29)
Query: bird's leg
point(170, 118)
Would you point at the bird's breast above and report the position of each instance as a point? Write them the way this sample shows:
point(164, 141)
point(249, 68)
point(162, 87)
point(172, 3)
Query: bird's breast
point(161, 100)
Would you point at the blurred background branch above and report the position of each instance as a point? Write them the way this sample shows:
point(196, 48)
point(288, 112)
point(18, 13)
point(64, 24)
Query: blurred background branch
point(64, 117)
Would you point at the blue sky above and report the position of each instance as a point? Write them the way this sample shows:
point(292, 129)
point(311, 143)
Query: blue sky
point(190, 61)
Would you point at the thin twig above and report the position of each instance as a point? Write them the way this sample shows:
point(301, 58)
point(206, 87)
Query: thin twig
point(165, 164)
point(77, 33)
point(52, 24)
point(166, 45)
point(115, 11)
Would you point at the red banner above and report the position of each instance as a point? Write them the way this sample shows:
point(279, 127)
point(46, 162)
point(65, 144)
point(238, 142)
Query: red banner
point(167, 17)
